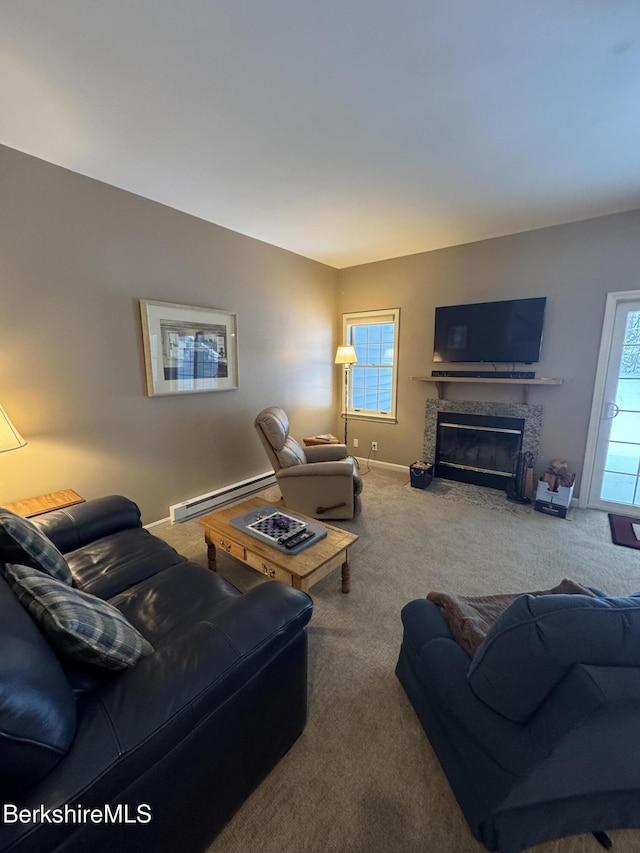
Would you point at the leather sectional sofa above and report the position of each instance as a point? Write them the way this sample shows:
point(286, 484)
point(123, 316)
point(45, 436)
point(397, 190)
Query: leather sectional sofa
point(160, 755)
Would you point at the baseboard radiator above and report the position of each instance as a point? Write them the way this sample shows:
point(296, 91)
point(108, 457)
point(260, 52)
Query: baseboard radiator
point(220, 497)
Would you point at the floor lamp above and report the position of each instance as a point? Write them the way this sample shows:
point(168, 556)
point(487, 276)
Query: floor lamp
point(346, 356)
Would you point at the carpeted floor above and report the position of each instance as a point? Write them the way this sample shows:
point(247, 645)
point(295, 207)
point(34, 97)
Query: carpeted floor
point(362, 778)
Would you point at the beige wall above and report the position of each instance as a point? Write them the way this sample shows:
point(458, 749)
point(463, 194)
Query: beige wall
point(76, 255)
point(574, 266)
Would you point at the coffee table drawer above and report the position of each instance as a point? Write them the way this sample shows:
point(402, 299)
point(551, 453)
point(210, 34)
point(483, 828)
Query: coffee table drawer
point(228, 545)
point(267, 568)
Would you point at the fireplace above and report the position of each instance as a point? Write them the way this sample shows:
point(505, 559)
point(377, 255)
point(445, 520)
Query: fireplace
point(479, 449)
point(480, 439)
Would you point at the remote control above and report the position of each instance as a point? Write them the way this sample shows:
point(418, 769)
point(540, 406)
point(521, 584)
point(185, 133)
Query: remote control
point(291, 534)
point(297, 538)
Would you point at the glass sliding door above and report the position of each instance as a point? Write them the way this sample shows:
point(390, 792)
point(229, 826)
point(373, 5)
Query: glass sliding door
point(615, 479)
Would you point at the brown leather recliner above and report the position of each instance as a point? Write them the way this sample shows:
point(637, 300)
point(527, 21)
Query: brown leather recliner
point(320, 481)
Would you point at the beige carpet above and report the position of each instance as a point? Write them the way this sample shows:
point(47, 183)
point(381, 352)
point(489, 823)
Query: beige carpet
point(362, 778)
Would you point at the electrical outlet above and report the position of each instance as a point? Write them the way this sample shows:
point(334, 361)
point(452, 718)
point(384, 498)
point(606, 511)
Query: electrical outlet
point(356, 443)
point(374, 445)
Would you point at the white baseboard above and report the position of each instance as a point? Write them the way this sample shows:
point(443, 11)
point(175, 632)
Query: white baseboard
point(157, 523)
point(373, 463)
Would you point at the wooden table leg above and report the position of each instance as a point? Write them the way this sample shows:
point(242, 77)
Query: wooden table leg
point(346, 573)
point(211, 555)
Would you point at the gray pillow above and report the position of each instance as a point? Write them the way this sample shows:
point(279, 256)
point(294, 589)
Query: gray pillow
point(21, 542)
point(77, 624)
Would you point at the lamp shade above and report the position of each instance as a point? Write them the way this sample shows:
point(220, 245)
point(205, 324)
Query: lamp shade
point(346, 355)
point(10, 438)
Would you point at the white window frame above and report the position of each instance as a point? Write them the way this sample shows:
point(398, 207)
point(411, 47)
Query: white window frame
point(364, 318)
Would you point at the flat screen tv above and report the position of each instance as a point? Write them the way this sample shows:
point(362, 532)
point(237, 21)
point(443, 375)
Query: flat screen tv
point(507, 331)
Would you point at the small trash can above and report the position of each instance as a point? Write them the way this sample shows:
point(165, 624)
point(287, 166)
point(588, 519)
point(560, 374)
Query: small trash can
point(421, 475)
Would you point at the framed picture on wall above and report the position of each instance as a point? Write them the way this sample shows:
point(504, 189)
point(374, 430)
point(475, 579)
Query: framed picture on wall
point(188, 350)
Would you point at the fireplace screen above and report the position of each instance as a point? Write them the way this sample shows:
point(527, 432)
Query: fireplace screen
point(477, 449)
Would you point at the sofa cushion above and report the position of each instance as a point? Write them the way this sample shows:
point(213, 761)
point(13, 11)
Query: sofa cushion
point(202, 665)
point(115, 563)
point(537, 640)
point(163, 606)
point(291, 453)
point(22, 542)
point(76, 623)
point(37, 707)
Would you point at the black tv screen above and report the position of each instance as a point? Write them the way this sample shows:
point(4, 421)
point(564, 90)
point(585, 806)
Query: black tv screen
point(507, 331)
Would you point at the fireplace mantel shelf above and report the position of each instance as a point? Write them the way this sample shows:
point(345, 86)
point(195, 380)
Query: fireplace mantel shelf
point(442, 381)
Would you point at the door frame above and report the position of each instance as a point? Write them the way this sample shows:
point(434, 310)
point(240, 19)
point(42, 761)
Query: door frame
point(611, 306)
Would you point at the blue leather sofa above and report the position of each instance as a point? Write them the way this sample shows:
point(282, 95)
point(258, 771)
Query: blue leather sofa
point(538, 733)
point(166, 751)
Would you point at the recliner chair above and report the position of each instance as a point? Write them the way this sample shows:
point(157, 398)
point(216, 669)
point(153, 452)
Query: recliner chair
point(320, 481)
point(538, 732)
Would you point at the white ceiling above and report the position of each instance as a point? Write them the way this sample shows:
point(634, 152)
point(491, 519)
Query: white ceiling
point(344, 130)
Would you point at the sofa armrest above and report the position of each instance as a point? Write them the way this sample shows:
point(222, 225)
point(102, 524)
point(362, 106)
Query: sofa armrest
point(342, 468)
point(596, 755)
point(261, 614)
point(78, 525)
point(583, 694)
point(423, 621)
point(326, 452)
point(192, 673)
point(442, 669)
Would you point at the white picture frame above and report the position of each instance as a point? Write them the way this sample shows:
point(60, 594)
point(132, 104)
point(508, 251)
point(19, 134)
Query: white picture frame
point(188, 349)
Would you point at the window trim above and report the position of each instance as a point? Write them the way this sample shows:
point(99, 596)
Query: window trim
point(368, 318)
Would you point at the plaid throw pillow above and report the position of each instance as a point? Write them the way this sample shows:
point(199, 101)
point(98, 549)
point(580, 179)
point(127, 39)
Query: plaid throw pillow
point(77, 624)
point(21, 542)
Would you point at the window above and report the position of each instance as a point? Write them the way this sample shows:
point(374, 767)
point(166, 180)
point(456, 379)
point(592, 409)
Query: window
point(372, 382)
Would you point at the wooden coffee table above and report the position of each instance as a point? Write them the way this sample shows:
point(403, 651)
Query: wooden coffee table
point(301, 570)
